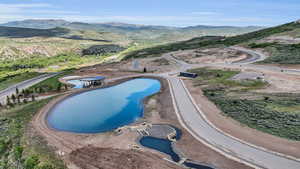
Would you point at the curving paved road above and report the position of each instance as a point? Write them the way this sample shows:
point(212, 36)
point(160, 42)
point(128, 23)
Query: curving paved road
point(256, 56)
point(23, 85)
point(194, 120)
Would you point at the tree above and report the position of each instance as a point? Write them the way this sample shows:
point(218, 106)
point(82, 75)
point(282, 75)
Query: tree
point(50, 88)
point(8, 101)
point(13, 97)
point(44, 166)
point(18, 151)
point(17, 91)
point(41, 90)
point(26, 93)
point(19, 99)
point(58, 87)
point(23, 92)
point(31, 162)
point(32, 98)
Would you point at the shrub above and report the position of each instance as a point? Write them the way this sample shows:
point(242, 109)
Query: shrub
point(31, 162)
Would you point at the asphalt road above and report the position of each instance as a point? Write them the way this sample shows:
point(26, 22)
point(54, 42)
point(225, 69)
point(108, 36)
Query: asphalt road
point(194, 120)
point(255, 56)
point(23, 85)
point(198, 126)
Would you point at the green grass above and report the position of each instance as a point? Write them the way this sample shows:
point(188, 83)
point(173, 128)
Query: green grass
point(222, 78)
point(18, 148)
point(276, 114)
point(283, 53)
point(7, 81)
point(51, 84)
point(155, 51)
point(19, 69)
point(287, 105)
point(212, 41)
point(258, 114)
point(257, 35)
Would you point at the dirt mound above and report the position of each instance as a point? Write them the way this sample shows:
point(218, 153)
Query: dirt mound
point(108, 158)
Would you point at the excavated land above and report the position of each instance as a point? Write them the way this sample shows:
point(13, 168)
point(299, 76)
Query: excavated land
point(211, 55)
point(111, 149)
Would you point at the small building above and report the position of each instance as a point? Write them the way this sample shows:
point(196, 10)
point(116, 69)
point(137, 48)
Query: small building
point(188, 74)
point(93, 81)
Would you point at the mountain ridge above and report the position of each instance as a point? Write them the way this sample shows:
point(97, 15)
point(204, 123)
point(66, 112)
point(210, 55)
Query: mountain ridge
point(51, 23)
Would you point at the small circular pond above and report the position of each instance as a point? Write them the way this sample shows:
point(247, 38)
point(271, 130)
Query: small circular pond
point(104, 109)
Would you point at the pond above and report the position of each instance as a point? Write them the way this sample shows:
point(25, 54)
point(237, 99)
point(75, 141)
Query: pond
point(165, 146)
point(79, 83)
point(103, 110)
point(162, 145)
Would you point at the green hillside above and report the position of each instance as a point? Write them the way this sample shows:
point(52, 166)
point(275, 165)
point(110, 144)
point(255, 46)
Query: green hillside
point(280, 53)
point(24, 50)
point(142, 34)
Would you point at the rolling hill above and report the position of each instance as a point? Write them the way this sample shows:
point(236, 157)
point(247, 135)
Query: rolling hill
point(138, 33)
point(57, 44)
point(29, 42)
point(281, 42)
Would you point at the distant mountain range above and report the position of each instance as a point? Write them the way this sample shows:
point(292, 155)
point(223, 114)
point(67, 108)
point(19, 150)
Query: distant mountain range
point(138, 33)
point(20, 39)
point(52, 23)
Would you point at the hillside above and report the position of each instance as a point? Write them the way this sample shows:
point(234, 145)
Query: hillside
point(280, 42)
point(25, 50)
point(26, 42)
point(144, 34)
point(14, 32)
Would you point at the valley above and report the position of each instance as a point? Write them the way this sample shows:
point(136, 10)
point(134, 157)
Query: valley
point(246, 95)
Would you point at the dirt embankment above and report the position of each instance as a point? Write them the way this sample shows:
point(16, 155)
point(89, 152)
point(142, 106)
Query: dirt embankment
point(212, 55)
point(94, 157)
point(240, 131)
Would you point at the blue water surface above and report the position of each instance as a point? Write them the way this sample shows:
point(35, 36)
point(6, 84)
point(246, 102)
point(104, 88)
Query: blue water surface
point(105, 109)
point(162, 145)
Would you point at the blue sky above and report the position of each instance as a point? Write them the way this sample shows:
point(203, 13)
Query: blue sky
point(156, 12)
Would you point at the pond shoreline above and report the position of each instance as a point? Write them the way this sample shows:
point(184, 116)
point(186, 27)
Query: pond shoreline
point(76, 92)
point(173, 152)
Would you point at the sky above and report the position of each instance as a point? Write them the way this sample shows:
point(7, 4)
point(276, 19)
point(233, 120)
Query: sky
point(156, 12)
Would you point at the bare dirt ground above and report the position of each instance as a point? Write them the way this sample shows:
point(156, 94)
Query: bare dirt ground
point(240, 131)
point(212, 55)
point(117, 158)
point(284, 39)
point(113, 148)
point(281, 83)
point(123, 68)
